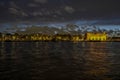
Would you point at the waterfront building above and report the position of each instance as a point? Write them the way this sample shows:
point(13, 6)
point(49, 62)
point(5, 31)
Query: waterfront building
point(96, 36)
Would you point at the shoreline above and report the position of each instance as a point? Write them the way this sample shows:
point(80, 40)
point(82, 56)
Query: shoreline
point(56, 41)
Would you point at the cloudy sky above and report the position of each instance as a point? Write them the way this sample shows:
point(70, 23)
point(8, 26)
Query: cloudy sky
point(59, 10)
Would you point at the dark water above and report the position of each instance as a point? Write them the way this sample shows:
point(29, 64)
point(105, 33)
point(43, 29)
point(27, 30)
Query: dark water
point(59, 61)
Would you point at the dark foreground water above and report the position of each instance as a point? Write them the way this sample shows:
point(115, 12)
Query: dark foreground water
point(59, 61)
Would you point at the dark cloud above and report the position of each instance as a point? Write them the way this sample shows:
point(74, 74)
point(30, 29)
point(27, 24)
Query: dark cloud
point(33, 5)
point(69, 9)
point(13, 11)
point(41, 1)
point(58, 10)
point(13, 4)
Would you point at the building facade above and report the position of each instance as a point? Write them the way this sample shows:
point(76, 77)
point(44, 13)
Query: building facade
point(96, 36)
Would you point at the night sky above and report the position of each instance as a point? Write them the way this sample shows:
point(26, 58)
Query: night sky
point(59, 10)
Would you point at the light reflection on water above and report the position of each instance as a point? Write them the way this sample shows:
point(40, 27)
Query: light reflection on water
point(59, 61)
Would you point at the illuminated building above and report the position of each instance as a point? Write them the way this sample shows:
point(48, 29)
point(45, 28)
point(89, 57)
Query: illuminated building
point(96, 36)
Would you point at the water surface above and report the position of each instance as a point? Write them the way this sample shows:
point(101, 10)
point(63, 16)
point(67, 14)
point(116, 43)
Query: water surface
point(59, 61)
